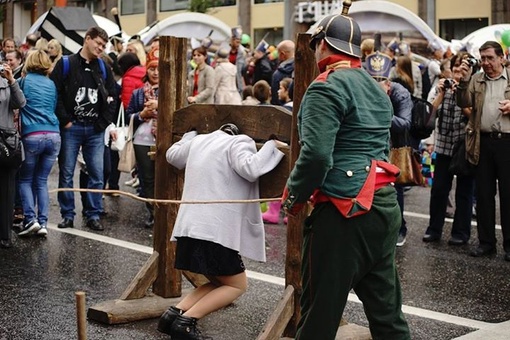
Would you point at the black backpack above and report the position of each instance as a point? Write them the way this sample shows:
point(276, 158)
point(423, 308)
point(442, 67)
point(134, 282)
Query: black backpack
point(423, 118)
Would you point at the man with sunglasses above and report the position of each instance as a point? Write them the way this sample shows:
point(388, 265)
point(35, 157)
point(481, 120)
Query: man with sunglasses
point(488, 143)
point(350, 236)
point(85, 107)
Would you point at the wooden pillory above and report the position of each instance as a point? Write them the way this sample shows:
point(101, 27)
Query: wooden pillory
point(138, 301)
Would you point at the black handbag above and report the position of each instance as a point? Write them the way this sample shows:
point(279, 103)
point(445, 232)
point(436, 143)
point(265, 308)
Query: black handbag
point(11, 148)
point(459, 165)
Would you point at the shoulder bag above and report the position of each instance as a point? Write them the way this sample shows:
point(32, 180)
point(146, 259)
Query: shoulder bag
point(459, 165)
point(408, 161)
point(127, 158)
point(11, 148)
point(122, 131)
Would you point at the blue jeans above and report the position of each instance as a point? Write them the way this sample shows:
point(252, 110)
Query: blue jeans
point(41, 152)
point(92, 146)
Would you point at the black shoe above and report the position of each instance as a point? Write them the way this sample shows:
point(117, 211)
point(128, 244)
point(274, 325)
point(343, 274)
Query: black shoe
point(185, 328)
point(507, 257)
point(31, 227)
point(5, 244)
point(66, 223)
point(456, 241)
point(481, 251)
point(167, 319)
point(430, 238)
point(95, 225)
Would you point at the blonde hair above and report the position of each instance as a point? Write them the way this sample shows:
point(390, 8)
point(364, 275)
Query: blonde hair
point(367, 47)
point(38, 62)
point(139, 51)
point(57, 46)
point(42, 44)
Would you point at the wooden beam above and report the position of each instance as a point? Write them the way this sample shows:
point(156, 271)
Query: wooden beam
point(172, 95)
point(305, 71)
point(277, 322)
point(195, 279)
point(122, 311)
point(138, 287)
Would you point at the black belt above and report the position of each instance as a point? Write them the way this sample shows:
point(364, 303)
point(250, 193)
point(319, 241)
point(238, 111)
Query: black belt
point(82, 122)
point(496, 135)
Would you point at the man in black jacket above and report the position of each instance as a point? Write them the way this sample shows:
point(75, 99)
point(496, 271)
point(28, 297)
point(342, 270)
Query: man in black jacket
point(85, 107)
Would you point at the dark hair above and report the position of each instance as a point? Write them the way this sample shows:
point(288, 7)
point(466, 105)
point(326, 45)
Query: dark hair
point(126, 61)
point(95, 32)
point(262, 91)
point(201, 49)
point(6, 40)
point(492, 44)
point(17, 53)
point(461, 56)
point(247, 91)
point(404, 70)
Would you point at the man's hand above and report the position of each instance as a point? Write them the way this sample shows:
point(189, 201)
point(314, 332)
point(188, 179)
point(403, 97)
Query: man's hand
point(466, 70)
point(290, 208)
point(504, 106)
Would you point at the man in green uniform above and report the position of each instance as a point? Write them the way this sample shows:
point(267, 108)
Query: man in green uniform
point(350, 236)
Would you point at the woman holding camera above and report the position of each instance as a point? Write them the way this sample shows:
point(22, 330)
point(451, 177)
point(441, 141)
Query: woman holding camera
point(11, 98)
point(449, 131)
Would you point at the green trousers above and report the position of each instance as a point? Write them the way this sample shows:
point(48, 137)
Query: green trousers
point(340, 254)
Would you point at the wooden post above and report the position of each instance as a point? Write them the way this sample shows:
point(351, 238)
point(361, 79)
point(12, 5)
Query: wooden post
point(304, 75)
point(172, 95)
point(81, 315)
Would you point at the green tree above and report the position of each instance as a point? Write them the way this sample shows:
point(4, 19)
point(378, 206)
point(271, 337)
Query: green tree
point(203, 6)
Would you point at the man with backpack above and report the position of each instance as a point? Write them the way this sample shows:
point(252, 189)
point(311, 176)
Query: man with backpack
point(85, 107)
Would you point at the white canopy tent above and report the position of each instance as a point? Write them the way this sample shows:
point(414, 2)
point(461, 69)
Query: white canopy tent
point(472, 42)
point(188, 25)
point(389, 19)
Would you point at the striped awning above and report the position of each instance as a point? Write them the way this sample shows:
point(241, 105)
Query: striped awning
point(68, 25)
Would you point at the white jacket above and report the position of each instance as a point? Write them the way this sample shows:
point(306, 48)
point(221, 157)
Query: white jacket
point(223, 167)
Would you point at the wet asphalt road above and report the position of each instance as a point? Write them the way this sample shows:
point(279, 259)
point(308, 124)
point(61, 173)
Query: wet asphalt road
point(446, 293)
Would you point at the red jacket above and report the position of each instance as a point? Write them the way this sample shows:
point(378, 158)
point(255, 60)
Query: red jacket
point(131, 81)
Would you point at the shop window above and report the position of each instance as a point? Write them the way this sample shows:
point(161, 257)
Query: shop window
point(459, 28)
point(132, 7)
point(173, 5)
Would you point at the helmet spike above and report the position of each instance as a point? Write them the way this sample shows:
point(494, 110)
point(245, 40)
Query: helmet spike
point(346, 6)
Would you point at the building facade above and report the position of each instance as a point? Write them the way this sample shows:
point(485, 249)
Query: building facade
point(275, 19)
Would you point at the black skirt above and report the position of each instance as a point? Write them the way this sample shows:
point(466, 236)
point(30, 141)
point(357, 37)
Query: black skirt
point(207, 258)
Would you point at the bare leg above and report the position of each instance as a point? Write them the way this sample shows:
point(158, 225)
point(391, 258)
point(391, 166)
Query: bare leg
point(214, 296)
point(198, 293)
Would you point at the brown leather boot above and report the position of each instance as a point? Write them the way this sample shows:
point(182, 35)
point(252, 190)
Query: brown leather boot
point(167, 319)
point(185, 328)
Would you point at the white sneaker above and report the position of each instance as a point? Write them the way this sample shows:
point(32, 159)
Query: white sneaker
point(29, 228)
point(131, 181)
point(401, 240)
point(43, 231)
point(136, 184)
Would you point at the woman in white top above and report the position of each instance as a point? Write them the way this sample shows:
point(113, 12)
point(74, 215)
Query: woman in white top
point(212, 237)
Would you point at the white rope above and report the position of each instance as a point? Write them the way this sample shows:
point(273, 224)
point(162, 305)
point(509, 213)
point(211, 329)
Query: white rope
point(163, 201)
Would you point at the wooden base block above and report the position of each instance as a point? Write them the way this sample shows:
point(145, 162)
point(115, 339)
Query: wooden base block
point(353, 332)
point(122, 311)
point(350, 331)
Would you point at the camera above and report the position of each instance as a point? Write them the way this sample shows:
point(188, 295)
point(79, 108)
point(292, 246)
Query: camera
point(448, 83)
point(2, 69)
point(472, 61)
